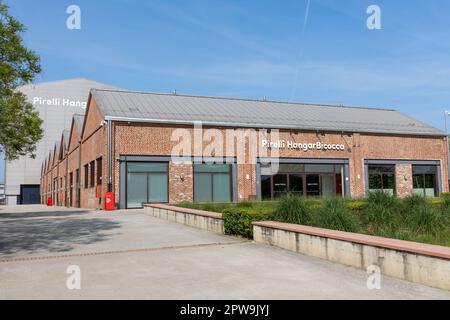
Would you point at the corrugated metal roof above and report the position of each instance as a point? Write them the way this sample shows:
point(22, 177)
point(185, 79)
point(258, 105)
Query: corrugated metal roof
point(184, 109)
point(79, 120)
point(56, 154)
point(66, 137)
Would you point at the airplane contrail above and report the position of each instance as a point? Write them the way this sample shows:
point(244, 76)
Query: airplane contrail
point(300, 53)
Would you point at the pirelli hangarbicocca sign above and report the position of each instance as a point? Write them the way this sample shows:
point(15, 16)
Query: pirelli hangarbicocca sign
point(289, 144)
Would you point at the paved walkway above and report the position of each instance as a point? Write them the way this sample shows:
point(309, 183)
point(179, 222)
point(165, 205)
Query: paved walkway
point(129, 255)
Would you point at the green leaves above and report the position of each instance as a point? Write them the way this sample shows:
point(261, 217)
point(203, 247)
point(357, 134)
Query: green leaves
point(238, 221)
point(20, 125)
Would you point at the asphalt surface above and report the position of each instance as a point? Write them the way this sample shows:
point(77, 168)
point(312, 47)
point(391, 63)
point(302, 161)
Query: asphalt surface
point(129, 255)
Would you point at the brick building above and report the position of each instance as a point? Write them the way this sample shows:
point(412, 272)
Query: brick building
point(56, 102)
point(235, 150)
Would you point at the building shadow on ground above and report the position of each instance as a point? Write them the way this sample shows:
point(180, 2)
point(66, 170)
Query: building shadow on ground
point(40, 214)
point(52, 235)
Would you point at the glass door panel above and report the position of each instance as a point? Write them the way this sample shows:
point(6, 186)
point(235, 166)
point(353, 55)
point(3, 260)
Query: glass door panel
point(328, 184)
point(280, 186)
point(136, 190)
point(430, 185)
point(221, 187)
point(313, 185)
point(202, 187)
point(157, 187)
point(296, 184)
point(266, 187)
point(338, 185)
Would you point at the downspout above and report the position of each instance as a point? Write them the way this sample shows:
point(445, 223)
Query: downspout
point(52, 193)
point(78, 186)
point(57, 183)
point(109, 178)
point(66, 194)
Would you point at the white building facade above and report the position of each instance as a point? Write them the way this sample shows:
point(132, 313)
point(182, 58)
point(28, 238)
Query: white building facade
point(56, 103)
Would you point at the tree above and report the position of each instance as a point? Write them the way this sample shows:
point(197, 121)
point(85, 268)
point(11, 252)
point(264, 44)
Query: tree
point(20, 124)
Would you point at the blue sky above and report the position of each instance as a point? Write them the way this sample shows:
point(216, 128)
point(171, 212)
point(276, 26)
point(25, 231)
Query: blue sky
point(254, 49)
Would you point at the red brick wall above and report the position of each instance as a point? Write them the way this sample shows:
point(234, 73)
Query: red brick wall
point(154, 140)
point(141, 139)
point(181, 182)
point(403, 177)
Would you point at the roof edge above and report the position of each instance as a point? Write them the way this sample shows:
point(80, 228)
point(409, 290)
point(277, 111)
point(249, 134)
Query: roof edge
point(243, 99)
point(262, 126)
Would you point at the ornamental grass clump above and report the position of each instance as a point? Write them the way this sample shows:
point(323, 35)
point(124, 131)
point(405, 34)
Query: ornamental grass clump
point(381, 214)
point(421, 217)
point(335, 215)
point(293, 209)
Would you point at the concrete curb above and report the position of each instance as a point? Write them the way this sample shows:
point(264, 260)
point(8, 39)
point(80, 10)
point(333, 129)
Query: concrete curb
point(416, 262)
point(195, 218)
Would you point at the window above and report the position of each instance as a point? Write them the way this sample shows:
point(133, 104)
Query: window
point(312, 180)
point(77, 178)
point(92, 174)
point(147, 182)
point(212, 183)
point(280, 185)
point(382, 178)
point(266, 187)
point(86, 176)
point(424, 180)
point(99, 171)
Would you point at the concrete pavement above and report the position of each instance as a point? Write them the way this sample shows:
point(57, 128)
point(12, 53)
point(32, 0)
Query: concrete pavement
point(128, 255)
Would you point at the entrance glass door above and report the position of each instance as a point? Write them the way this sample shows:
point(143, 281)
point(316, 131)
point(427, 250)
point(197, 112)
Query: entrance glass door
point(307, 180)
point(280, 185)
point(137, 189)
point(296, 184)
point(313, 185)
point(146, 182)
point(328, 185)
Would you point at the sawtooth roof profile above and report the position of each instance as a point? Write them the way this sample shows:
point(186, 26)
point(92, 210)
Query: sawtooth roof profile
point(227, 112)
point(79, 120)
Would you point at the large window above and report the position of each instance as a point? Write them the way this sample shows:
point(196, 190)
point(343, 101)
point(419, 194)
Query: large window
point(146, 182)
point(382, 177)
point(424, 180)
point(212, 183)
point(312, 180)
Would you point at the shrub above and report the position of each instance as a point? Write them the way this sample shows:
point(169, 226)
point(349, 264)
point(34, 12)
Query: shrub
point(293, 209)
point(420, 216)
point(335, 215)
point(238, 221)
point(381, 213)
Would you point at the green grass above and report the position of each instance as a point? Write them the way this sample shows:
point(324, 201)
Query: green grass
point(413, 218)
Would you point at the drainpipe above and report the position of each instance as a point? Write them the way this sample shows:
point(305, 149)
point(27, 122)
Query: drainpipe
point(109, 178)
point(78, 185)
point(66, 181)
point(447, 147)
